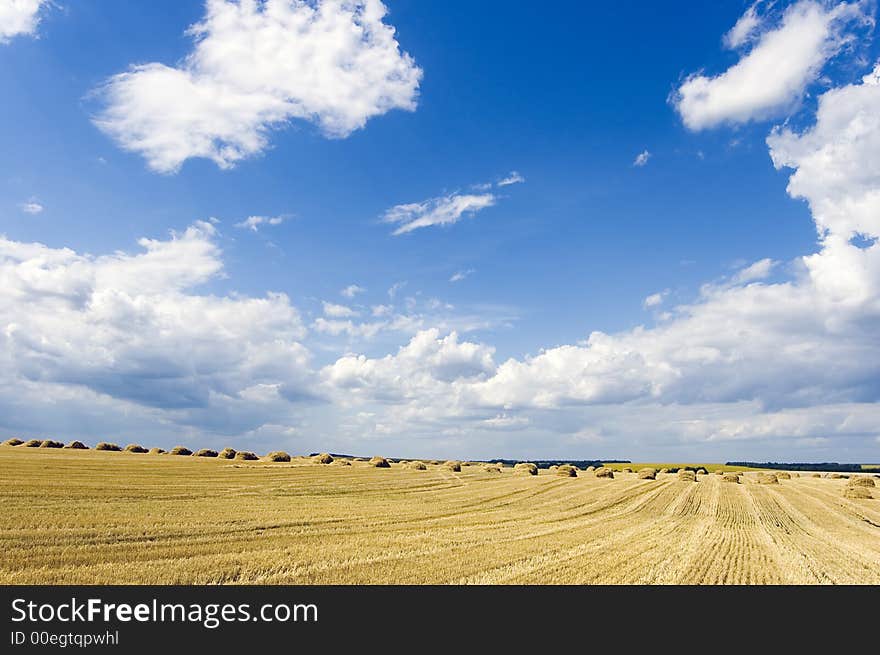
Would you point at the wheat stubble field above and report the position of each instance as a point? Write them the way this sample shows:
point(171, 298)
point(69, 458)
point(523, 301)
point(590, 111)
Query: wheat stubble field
point(94, 517)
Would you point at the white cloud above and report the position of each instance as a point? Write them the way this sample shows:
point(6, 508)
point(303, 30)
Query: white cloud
point(747, 360)
point(338, 311)
point(394, 288)
point(641, 158)
point(772, 77)
point(253, 223)
point(256, 66)
point(458, 276)
point(19, 18)
point(655, 299)
point(381, 310)
point(352, 290)
point(444, 210)
point(128, 334)
point(505, 422)
point(32, 206)
point(512, 178)
point(744, 29)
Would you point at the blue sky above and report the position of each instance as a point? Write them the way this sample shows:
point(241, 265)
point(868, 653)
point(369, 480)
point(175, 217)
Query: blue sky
point(473, 92)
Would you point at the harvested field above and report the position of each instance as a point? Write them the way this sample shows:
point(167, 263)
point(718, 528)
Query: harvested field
point(86, 516)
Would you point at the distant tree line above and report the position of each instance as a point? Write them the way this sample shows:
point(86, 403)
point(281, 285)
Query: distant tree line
point(580, 463)
point(801, 466)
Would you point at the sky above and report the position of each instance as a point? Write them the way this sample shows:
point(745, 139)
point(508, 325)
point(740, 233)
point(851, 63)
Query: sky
point(615, 230)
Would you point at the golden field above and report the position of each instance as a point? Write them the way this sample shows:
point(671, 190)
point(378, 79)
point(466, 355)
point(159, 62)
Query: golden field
point(105, 517)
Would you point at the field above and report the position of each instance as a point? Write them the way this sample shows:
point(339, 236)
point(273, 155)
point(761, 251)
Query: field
point(103, 517)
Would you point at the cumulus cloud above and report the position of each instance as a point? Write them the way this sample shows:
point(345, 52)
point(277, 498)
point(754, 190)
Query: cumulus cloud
point(131, 333)
point(253, 223)
point(352, 290)
point(32, 206)
point(772, 77)
point(257, 65)
point(19, 18)
point(444, 210)
point(655, 299)
point(338, 311)
point(641, 159)
point(747, 359)
point(513, 178)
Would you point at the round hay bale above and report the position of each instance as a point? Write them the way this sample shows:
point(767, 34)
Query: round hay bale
point(719, 472)
point(647, 473)
point(730, 477)
point(795, 475)
point(861, 481)
point(379, 463)
point(767, 478)
point(686, 475)
point(180, 450)
point(858, 493)
point(205, 452)
point(51, 443)
point(135, 448)
point(467, 463)
point(33, 443)
point(13, 442)
point(278, 456)
point(664, 471)
point(604, 472)
point(106, 445)
point(227, 453)
point(417, 466)
point(323, 458)
point(525, 468)
point(343, 462)
point(815, 475)
point(552, 467)
point(702, 471)
point(453, 465)
point(834, 476)
point(627, 469)
point(590, 469)
point(157, 451)
point(567, 471)
point(246, 455)
point(77, 445)
point(491, 468)
point(783, 475)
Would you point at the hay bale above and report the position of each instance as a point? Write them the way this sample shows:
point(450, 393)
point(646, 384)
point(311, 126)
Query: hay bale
point(627, 469)
point(13, 442)
point(719, 472)
point(491, 468)
point(604, 472)
point(686, 475)
point(815, 475)
point(180, 450)
point(525, 468)
point(783, 475)
point(834, 476)
point(278, 456)
point(664, 470)
point(590, 469)
point(227, 453)
point(205, 452)
point(567, 471)
point(360, 459)
point(467, 463)
point(246, 455)
point(417, 466)
point(106, 445)
point(552, 467)
point(343, 462)
point(323, 458)
point(647, 473)
point(51, 443)
point(453, 465)
point(134, 448)
point(767, 478)
point(702, 471)
point(157, 451)
point(730, 477)
point(858, 493)
point(77, 445)
point(795, 475)
point(861, 481)
point(379, 462)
